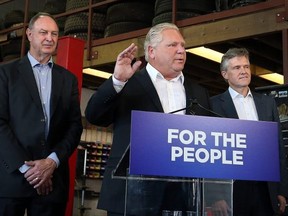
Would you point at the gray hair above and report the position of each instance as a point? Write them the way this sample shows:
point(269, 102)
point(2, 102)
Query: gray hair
point(231, 53)
point(154, 36)
point(37, 16)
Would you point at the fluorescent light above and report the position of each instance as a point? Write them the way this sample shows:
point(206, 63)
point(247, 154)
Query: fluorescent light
point(97, 73)
point(206, 53)
point(217, 56)
point(274, 77)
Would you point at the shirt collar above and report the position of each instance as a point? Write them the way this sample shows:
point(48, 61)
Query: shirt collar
point(154, 74)
point(234, 94)
point(34, 62)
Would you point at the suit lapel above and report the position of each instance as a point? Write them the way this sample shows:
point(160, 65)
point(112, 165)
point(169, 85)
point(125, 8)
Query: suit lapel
point(145, 80)
point(259, 106)
point(228, 105)
point(56, 89)
point(26, 73)
point(189, 93)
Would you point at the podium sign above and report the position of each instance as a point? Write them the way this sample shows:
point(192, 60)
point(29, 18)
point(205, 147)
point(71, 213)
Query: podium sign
point(203, 147)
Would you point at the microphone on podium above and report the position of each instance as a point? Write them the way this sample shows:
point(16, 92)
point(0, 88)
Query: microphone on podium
point(185, 108)
point(194, 101)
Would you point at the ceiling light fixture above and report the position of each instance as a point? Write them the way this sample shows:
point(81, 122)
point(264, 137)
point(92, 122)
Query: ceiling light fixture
point(274, 77)
point(206, 53)
point(97, 73)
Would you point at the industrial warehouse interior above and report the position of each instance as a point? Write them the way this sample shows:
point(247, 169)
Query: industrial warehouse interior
point(209, 27)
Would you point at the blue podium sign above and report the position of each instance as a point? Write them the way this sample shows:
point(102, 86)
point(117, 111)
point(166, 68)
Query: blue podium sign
point(203, 147)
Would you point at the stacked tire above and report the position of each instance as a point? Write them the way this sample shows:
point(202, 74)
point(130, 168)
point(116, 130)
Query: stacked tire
point(241, 3)
point(11, 49)
point(185, 9)
point(76, 25)
point(127, 16)
point(54, 7)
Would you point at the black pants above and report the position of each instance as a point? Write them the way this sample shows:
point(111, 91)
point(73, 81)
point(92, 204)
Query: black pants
point(251, 198)
point(33, 207)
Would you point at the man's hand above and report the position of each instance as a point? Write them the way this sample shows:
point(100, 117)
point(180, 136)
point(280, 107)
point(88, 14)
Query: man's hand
point(220, 208)
point(123, 69)
point(282, 204)
point(45, 188)
point(40, 172)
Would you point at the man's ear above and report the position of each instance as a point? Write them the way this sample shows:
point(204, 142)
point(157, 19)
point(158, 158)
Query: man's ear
point(28, 33)
point(151, 52)
point(224, 74)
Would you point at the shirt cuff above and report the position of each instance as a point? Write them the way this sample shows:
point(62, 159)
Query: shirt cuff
point(117, 84)
point(54, 157)
point(24, 168)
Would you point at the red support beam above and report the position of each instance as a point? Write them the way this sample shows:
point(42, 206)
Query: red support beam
point(70, 54)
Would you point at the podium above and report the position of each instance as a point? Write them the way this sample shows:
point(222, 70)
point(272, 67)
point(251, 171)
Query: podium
point(186, 165)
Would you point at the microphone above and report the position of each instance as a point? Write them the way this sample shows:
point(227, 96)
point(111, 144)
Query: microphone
point(189, 106)
point(195, 102)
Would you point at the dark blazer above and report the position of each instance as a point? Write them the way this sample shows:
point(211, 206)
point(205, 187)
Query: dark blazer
point(267, 111)
point(107, 107)
point(22, 127)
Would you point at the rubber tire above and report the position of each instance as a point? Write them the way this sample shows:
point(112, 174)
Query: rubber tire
point(130, 12)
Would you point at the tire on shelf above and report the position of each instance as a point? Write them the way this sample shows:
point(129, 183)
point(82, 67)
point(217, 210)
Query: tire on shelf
point(197, 6)
point(13, 47)
point(52, 7)
point(123, 27)
point(74, 4)
point(130, 12)
point(241, 3)
point(167, 17)
point(127, 16)
point(78, 23)
point(13, 17)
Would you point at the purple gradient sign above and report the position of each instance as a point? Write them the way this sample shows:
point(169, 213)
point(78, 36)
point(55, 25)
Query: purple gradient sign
point(203, 147)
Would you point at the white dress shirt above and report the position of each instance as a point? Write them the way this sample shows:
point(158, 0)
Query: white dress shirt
point(245, 106)
point(171, 92)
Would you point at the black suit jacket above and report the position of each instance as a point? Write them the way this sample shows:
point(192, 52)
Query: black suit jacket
point(22, 127)
point(267, 111)
point(107, 107)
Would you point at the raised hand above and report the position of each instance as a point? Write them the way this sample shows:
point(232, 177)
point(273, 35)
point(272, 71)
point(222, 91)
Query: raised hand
point(123, 69)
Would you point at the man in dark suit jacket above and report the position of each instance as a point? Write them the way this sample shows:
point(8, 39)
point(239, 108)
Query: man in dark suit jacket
point(159, 87)
point(250, 198)
point(40, 126)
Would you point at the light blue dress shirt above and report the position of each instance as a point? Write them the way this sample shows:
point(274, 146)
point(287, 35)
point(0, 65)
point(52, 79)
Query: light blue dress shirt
point(43, 77)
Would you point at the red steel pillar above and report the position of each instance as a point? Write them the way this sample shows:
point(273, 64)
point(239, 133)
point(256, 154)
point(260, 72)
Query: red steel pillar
point(70, 54)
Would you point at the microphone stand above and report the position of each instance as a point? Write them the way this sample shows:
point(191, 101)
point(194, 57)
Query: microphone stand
point(175, 111)
point(195, 102)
